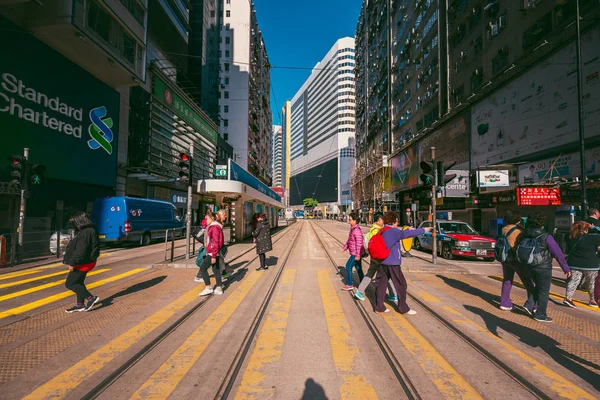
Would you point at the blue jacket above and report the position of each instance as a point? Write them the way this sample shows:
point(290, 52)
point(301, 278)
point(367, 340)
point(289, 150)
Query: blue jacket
point(392, 238)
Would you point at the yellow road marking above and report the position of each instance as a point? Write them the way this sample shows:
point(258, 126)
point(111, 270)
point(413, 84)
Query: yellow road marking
point(344, 350)
point(560, 385)
point(61, 385)
point(164, 381)
point(447, 380)
point(63, 295)
point(45, 286)
point(269, 342)
point(554, 295)
point(31, 271)
point(37, 278)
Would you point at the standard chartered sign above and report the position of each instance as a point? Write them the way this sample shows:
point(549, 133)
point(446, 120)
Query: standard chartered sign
point(16, 99)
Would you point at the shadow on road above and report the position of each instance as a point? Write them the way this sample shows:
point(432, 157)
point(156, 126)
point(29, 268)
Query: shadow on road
point(533, 338)
point(131, 289)
point(313, 391)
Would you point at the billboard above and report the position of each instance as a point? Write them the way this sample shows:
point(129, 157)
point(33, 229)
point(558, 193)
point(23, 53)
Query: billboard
point(538, 196)
point(67, 118)
point(405, 169)
point(538, 111)
point(566, 166)
point(496, 178)
point(320, 182)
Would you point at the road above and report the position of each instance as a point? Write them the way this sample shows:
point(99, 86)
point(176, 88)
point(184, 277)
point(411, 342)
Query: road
point(286, 333)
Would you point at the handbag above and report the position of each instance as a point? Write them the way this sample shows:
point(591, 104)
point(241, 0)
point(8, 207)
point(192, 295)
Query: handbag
point(200, 257)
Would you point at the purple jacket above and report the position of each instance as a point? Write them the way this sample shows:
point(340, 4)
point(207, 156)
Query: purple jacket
point(355, 241)
point(392, 238)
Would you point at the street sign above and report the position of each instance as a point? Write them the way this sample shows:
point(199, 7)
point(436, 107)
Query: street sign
point(221, 171)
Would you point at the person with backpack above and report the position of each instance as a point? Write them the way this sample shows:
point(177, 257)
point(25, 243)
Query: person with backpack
point(199, 236)
point(535, 251)
point(222, 218)
point(505, 254)
point(213, 241)
point(582, 245)
point(390, 267)
point(81, 255)
point(354, 245)
point(262, 236)
point(373, 263)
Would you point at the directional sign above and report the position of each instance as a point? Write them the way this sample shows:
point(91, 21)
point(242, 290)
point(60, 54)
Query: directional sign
point(221, 171)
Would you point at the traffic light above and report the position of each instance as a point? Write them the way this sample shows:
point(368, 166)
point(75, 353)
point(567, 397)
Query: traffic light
point(185, 168)
point(17, 167)
point(37, 174)
point(427, 173)
point(442, 177)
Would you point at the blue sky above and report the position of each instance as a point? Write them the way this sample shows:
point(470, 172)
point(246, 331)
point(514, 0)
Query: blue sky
point(298, 34)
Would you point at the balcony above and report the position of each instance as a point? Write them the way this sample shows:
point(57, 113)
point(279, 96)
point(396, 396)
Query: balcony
point(105, 37)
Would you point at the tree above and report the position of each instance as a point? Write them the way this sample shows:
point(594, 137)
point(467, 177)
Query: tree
point(310, 202)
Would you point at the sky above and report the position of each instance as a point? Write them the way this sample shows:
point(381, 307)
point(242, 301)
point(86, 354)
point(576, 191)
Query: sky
point(298, 34)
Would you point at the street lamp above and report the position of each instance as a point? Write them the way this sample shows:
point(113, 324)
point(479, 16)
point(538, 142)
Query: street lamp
point(584, 208)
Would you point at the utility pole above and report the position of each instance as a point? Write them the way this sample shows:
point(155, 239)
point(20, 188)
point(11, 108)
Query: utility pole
point(433, 208)
point(22, 209)
point(188, 228)
point(584, 206)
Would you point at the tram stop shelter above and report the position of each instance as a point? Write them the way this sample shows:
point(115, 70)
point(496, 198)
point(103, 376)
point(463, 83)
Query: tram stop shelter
point(243, 195)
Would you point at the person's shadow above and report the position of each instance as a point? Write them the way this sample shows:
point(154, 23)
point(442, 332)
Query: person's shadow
point(131, 289)
point(313, 391)
point(550, 346)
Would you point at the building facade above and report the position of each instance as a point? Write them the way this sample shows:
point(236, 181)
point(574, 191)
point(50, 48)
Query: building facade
point(322, 130)
point(244, 95)
point(286, 134)
point(277, 156)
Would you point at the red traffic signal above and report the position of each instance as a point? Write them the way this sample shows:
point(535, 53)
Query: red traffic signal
point(184, 156)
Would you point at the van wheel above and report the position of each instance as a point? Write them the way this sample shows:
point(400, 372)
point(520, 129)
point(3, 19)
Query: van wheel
point(146, 239)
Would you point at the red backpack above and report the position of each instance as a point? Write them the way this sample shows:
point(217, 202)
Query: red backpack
point(377, 248)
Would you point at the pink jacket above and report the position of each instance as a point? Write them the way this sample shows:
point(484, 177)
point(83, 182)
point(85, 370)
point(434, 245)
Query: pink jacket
point(214, 239)
point(355, 241)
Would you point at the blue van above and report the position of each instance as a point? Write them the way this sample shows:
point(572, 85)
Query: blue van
point(129, 219)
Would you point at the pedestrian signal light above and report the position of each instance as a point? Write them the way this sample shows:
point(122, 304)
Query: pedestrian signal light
point(37, 174)
point(426, 176)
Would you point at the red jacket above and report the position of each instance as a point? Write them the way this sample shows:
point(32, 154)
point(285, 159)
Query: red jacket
point(214, 239)
point(355, 241)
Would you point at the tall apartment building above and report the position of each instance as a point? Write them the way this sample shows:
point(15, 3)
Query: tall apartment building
point(277, 154)
point(244, 93)
point(286, 134)
point(322, 130)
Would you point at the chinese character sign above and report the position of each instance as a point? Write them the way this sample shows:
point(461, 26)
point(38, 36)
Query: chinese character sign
point(538, 196)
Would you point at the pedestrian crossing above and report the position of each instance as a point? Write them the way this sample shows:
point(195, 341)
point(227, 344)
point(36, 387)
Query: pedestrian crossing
point(345, 344)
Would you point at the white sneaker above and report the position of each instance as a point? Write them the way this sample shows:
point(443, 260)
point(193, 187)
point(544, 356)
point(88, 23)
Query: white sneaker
point(218, 291)
point(207, 291)
point(196, 279)
point(410, 312)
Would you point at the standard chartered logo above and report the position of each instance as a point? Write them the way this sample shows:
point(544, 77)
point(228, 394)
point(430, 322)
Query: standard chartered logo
point(100, 130)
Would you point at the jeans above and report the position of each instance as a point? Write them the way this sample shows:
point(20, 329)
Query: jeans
point(75, 283)
point(203, 273)
point(353, 262)
point(393, 272)
point(508, 270)
point(542, 276)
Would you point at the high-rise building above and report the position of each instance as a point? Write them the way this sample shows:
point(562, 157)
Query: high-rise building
point(286, 134)
point(322, 130)
point(244, 92)
point(277, 156)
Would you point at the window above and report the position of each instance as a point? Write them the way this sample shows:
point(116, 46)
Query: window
point(500, 61)
point(226, 136)
point(227, 27)
point(135, 9)
point(227, 80)
point(227, 54)
point(212, 13)
point(227, 40)
point(476, 79)
point(228, 13)
point(226, 95)
point(226, 109)
point(225, 122)
point(226, 67)
point(228, 1)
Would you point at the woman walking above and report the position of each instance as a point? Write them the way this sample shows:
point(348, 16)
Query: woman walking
point(81, 255)
point(262, 236)
point(354, 245)
point(213, 242)
point(582, 260)
point(390, 268)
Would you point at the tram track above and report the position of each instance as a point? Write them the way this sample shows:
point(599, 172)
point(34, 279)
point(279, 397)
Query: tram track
point(125, 366)
point(510, 372)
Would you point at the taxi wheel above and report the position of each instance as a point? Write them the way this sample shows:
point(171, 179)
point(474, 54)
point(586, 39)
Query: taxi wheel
point(447, 252)
point(489, 259)
point(417, 244)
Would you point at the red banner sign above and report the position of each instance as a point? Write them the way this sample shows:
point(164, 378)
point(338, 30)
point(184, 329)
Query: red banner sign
point(538, 196)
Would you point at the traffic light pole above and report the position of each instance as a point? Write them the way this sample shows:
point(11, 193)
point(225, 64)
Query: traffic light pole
point(433, 208)
point(188, 227)
point(22, 208)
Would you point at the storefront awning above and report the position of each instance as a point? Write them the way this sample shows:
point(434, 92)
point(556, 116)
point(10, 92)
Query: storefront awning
point(235, 188)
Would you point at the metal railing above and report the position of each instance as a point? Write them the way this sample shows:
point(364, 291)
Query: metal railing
point(36, 244)
point(171, 246)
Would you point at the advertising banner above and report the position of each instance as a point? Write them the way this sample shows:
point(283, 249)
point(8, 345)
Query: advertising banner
point(459, 186)
point(566, 166)
point(538, 196)
point(237, 173)
point(496, 178)
point(538, 111)
point(405, 169)
point(67, 118)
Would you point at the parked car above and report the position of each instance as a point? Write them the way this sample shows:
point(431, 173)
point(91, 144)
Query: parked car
point(128, 219)
point(456, 238)
point(65, 238)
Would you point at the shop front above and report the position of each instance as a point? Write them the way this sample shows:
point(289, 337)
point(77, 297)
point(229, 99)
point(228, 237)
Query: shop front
point(67, 119)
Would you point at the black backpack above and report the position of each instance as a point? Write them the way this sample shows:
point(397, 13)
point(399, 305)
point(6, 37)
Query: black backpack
point(502, 248)
point(532, 252)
